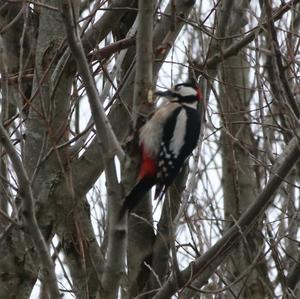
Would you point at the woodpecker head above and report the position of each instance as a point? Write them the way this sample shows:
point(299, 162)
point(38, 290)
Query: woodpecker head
point(183, 92)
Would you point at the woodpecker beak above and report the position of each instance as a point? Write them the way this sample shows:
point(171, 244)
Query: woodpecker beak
point(167, 94)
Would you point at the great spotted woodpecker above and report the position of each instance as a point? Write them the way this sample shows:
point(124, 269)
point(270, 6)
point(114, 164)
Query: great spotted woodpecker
point(166, 140)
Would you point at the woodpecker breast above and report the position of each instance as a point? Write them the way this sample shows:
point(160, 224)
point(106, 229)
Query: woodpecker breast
point(152, 132)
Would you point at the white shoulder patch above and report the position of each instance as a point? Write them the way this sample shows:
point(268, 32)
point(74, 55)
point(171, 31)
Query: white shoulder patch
point(179, 133)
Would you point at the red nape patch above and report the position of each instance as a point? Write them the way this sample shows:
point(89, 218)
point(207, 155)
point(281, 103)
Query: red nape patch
point(148, 166)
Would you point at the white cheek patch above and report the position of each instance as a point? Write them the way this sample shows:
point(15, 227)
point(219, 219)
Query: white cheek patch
point(187, 91)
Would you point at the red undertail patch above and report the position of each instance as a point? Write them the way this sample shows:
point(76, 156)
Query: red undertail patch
point(148, 166)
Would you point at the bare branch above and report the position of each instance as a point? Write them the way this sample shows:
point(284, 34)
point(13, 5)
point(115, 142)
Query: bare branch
point(109, 144)
point(233, 49)
point(144, 56)
point(281, 71)
point(103, 26)
point(142, 99)
point(107, 51)
point(47, 266)
point(109, 147)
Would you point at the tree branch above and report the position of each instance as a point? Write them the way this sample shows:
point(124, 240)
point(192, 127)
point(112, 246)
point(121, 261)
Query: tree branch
point(28, 213)
point(144, 57)
point(233, 49)
point(140, 243)
point(106, 52)
point(109, 144)
point(103, 26)
point(281, 71)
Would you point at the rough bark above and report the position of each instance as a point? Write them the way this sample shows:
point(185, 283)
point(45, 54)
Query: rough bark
point(139, 246)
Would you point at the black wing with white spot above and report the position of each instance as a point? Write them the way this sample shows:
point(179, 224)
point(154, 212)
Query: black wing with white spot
point(167, 162)
point(180, 136)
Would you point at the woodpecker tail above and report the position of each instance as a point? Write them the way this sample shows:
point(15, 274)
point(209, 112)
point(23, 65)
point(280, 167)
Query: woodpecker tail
point(136, 194)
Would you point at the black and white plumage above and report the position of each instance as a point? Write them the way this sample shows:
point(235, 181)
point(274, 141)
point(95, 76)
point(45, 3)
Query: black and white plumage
point(166, 140)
